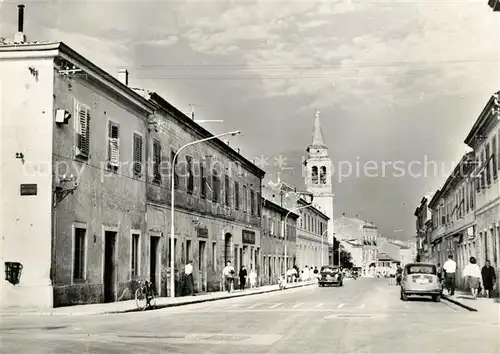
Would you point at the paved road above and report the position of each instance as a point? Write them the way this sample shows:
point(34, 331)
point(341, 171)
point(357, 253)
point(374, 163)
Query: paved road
point(364, 316)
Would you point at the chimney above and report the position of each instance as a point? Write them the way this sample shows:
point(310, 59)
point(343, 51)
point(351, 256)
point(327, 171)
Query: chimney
point(123, 76)
point(19, 37)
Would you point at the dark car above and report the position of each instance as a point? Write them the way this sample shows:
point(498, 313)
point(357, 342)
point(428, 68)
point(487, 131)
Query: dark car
point(330, 275)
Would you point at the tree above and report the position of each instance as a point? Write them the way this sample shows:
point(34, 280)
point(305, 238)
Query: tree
point(345, 259)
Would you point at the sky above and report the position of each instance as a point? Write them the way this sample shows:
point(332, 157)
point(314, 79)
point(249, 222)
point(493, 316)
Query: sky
point(397, 83)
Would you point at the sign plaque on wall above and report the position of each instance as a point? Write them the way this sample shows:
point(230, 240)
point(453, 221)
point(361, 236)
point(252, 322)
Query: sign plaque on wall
point(202, 232)
point(248, 237)
point(29, 189)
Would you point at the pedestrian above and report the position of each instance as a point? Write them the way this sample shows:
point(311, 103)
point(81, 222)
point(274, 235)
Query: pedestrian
point(489, 278)
point(228, 274)
point(472, 274)
point(253, 278)
point(188, 272)
point(243, 277)
point(450, 268)
point(399, 275)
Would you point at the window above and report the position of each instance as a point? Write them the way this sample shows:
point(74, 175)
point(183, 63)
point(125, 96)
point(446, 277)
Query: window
point(157, 161)
point(494, 157)
point(214, 255)
point(190, 176)
point(137, 154)
point(203, 182)
point(79, 254)
point(314, 175)
point(113, 145)
point(259, 202)
point(135, 255)
point(252, 202)
point(488, 164)
point(215, 186)
point(471, 199)
point(188, 250)
point(176, 176)
point(82, 131)
point(245, 199)
point(483, 177)
point(227, 189)
point(236, 195)
point(322, 175)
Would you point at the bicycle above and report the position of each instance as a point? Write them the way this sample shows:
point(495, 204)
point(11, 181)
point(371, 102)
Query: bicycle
point(145, 295)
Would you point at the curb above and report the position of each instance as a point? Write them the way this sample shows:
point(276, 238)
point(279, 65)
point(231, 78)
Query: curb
point(458, 303)
point(192, 302)
point(157, 307)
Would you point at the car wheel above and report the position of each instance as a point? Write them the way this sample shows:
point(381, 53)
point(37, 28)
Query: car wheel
point(341, 284)
point(404, 297)
point(436, 298)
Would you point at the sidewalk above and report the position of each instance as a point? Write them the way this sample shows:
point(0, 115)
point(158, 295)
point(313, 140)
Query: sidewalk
point(131, 306)
point(465, 300)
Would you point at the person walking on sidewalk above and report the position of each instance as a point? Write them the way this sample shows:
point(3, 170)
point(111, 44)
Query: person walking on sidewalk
point(228, 274)
point(450, 268)
point(472, 274)
point(489, 278)
point(188, 271)
point(243, 277)
point(253, 278)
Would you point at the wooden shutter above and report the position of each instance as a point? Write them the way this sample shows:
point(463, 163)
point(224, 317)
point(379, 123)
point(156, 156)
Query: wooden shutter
point(157, 161)
point(83, 131)
point(114, 144)
point(137, 154)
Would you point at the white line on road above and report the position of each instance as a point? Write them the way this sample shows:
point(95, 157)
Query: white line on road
point(297, 305)
point(253, 306)
point(232, 306)
point(340, 306)
point(362, 306)
point(318, 305)
point(276, 305)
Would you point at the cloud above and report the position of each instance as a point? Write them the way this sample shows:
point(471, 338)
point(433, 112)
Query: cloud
point(164, 42)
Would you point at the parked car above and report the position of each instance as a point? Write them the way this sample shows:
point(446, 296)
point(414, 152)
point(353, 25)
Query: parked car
point(420, 279)
point(330, 275)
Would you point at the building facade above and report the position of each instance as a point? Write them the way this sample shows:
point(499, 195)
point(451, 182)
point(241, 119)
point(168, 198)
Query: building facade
point(275, 258)
point(312, 239)
point(217, 203)
point(353, 233)
point(86, 164)
point(63, 119)
point(484, 139)
point(423, 216)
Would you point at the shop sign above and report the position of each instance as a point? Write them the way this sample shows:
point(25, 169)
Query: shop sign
point(202, 232)
point(248, 237)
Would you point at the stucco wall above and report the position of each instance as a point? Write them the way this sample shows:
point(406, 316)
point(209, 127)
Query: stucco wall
point(103, 200)
point(26, 115)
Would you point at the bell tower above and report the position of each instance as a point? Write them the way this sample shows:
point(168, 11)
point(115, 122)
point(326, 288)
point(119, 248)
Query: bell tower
point(318, 174)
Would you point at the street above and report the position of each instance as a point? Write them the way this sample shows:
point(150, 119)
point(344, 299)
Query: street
point(363, 316)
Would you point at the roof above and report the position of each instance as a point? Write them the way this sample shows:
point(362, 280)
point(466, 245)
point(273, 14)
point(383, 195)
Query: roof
point(435, 199)
point(458, 173)
point(271, 205)
point(9, 49)
point(382, 256)
point(184, 119)
point(318, 139)
point(481, 122)
point(303, 202)
point(144, 98)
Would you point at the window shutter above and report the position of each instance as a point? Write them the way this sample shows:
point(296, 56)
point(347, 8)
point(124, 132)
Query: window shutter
point(157, 161)
point(83, 131)
point(137, 154)
point(114, 145)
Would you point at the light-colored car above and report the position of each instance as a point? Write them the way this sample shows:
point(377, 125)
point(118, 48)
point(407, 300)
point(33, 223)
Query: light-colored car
point(420, 279)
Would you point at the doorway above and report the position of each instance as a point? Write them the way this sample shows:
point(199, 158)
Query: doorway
point(153, 261)
point(202, 268)
point(109, 266)
point(227, 248)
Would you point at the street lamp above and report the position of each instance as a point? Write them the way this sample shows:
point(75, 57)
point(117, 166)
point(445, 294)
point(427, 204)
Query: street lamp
point(172, 204)
point(285, 233)
point(322, 250)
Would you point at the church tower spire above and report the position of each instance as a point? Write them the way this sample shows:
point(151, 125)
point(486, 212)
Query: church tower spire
point(319, 173)
point(318, 139)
